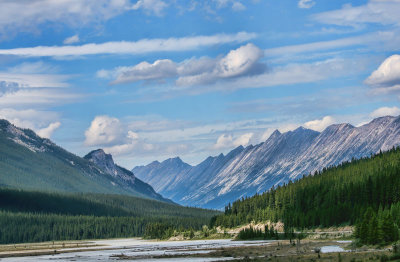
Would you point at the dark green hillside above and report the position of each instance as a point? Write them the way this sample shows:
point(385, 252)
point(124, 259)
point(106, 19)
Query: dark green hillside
point(30, 162)
point(38, 202)
point(36, 216)
point(337, 195)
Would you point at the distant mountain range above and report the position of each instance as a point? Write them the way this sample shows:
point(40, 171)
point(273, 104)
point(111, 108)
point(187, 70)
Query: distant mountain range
point(30, 162)
point(254, 169)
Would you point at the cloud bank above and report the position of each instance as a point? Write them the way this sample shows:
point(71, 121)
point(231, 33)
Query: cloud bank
point(240, 62)
point(132, 48)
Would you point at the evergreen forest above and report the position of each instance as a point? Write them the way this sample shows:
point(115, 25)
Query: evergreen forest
point(362, 192)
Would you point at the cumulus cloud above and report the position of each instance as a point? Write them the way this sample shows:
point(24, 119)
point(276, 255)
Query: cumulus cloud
point(48, 131)
point(320, 124)
point(385, 111)
point(225, 141)
point(71, 40)
point(243, 140)
point(151, 6)
point(237, 63)
point(124, 47)
point(118, 139)
point(305, 4)
point(104, 130)
point(387, 75)
point(44, 123)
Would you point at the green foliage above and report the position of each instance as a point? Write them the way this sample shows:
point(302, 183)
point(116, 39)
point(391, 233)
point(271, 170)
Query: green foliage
point(30, 227)
point(269, 233)
point(250, 233)
point(37, 216)
point(377, 228)
point(158, 230)
point(335, 196)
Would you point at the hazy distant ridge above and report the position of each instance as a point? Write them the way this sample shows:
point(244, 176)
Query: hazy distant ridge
point(283, 156)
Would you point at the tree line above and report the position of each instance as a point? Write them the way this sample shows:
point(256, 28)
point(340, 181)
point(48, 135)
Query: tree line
point(334, 196)
point(39, 216)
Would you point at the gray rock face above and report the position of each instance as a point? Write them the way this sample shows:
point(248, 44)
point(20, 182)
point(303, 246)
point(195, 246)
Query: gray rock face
point(282, 157)
point(128, 180)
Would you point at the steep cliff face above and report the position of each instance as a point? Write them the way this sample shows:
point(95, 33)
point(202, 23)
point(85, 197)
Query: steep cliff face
point(282, 157)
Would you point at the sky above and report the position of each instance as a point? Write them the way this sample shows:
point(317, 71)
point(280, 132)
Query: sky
point(152, 79)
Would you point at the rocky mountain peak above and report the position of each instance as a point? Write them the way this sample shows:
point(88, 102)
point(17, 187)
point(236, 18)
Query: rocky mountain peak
point(102, 160)
point(275, 134)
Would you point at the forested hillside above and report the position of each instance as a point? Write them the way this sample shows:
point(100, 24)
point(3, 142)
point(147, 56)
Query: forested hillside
point(37, 216)
point(30, 162)
point(337, 195)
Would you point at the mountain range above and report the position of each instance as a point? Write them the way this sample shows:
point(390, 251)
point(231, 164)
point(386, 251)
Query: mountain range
point(30, 162)
point(287, 156)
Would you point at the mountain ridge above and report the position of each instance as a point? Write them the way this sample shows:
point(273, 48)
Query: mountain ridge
point(30, 162)
point(281, 158)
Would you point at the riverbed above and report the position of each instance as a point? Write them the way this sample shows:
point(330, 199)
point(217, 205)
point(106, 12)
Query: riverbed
point(139, 250)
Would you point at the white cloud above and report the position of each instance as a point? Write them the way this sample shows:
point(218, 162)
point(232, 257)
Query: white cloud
point(305, 4)
point(48, 131)
point(104, 130)
point(296, 74)
point(320, 124)
point(138, 47)
point(44, 123)
point(377, 40)
point(26, 16)
point(150, 6)
point(387, 75)
point(32, 84)
point(225, 141)
point(160, 69)
point(117, 139)
point(237, 63)
point(71, 40)
point(238, 6)
point(385, 111)
point(243, 140)
point(375, 11)
point(38, 67)
point(37, 97)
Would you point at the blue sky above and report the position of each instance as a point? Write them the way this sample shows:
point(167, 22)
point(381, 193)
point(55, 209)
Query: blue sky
point(152, 79)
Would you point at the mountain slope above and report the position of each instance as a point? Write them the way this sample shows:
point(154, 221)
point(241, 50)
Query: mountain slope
point(30, 162)
point(173, 169)
point(282, 157)
point(337, 195)
point(130, 182)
